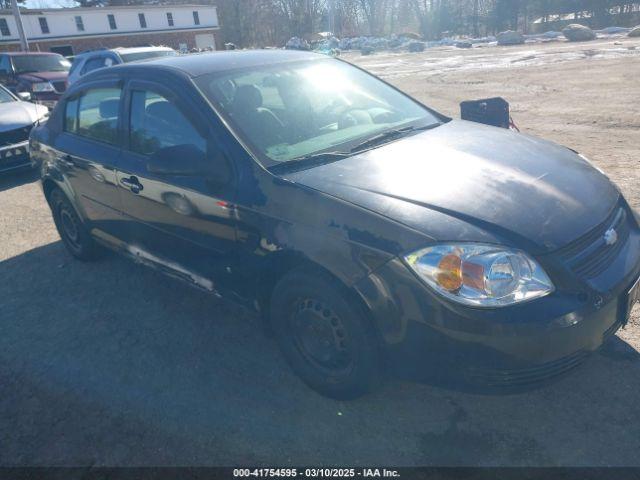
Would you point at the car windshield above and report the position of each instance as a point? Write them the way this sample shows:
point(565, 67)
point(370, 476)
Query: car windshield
point(134, 57)
point(298, 110)
point(40, 63)
point(6, 97)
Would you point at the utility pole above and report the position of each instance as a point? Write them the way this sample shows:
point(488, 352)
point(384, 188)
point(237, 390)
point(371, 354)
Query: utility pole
point(16, 14)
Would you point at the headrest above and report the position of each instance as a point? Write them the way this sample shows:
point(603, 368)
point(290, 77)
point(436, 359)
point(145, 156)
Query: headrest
point(163, 110)
point(247, 97)
point(109, 108)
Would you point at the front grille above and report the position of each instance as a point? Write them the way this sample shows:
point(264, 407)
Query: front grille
point(525, 376)
point(12, 137)
point(590, 255)
point(60, 87)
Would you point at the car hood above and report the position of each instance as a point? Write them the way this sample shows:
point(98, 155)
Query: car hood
point(464, 181)
point(44, 76)
point(19, 114)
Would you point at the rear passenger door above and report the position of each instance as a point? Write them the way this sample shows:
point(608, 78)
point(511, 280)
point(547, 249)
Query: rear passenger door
point(181, 223)
point(88, 150)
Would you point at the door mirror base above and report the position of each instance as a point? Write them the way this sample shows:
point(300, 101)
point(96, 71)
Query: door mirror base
point(181, 160)
point(189, 161)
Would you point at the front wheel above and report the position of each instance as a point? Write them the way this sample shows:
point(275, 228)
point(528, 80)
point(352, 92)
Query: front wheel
point(74, 235)
point(324, 336)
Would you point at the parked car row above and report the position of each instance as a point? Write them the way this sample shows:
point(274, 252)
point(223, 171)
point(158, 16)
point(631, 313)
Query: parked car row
point(46, 76)
point(42, 78)
point(363, 225)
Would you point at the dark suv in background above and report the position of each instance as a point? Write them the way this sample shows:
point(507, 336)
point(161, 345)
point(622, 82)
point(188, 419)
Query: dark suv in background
point(43, 75)
point(91, 60)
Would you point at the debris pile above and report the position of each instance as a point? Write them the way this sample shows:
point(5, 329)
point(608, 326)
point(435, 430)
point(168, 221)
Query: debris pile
point(578, 33)
point(412, 42)
point(510, 38)
point(296, 43)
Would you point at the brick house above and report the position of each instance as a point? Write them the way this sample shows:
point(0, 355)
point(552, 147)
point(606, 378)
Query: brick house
point(69, 31)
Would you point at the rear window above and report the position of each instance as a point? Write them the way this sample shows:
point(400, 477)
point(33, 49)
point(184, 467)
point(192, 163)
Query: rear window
point(135, 57)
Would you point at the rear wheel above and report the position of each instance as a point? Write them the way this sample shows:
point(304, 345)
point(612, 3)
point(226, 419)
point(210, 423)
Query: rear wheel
point(324, 336)
point(74, 234)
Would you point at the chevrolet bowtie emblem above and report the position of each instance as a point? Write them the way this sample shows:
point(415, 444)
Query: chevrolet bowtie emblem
point(610, 236)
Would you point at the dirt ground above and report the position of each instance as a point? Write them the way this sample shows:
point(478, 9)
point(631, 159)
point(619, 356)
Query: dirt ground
point(109, 363)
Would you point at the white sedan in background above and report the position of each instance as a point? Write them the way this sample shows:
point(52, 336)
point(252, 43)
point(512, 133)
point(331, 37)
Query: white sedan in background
point(17, 117)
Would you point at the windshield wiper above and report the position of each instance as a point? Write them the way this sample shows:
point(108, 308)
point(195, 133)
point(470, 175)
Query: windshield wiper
point(308, 161)
point(389, 135)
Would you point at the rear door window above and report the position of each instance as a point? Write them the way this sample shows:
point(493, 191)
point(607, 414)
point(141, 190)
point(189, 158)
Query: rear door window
point(95, 114)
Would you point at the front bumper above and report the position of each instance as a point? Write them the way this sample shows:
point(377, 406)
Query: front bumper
point(15, 157)
point(423, 332)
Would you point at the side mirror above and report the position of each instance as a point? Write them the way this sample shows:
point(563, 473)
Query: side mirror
point(24, 96)
point(490, 111)
point(186, 160)
point(189, 160)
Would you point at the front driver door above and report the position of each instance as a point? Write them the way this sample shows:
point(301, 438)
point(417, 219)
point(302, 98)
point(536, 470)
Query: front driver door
point(179, 223)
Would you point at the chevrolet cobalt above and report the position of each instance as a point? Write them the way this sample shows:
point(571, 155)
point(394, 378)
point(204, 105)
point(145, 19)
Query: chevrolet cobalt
point(363, 226)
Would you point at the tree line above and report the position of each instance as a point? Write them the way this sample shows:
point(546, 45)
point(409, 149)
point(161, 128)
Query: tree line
point(272, 22)
point(259, 23)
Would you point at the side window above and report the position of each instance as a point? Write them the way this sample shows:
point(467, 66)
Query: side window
point(71, 116)
point(158, 123)
point(92, 64)
point(98, 111)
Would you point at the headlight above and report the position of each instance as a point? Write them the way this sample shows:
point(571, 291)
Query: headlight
point(42, 87)
point(480, 275)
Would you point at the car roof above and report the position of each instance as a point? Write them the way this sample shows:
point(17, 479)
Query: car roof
point(198, 64)
point(139, 49)
point(13, 54)
point(119, 50)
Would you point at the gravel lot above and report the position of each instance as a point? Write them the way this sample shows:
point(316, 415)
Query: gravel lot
point(109, 363)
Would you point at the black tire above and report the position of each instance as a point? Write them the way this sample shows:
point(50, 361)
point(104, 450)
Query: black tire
point(72, 230)
point(324, 336)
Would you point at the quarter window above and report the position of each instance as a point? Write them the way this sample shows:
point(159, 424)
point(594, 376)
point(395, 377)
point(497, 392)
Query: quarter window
point(142, 20)
point(79, 24)
point(95, 115)
point(112, 22)
point(196, 18)
point(157, 123)
point(170, 19)
point(4, 27)
point(44, 26)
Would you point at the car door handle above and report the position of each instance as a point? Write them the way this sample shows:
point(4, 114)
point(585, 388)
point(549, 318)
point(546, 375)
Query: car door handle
point(132, 183)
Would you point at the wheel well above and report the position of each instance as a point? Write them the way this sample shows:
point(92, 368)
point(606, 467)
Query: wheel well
point(48, 186)
point(278, 265)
